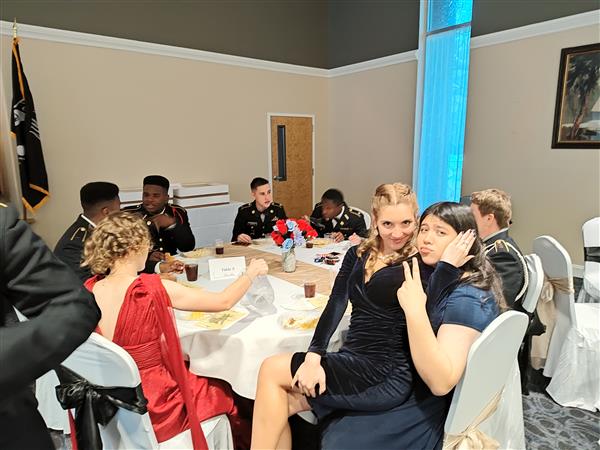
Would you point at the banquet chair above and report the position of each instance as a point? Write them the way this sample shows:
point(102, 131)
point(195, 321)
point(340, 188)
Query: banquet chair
point(536, 282)
point(366, 216)
point(104, 363)
point(591, 265)
point(492, 371)
point(573, 359)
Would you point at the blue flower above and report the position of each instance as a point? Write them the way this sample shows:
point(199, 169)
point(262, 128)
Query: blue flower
point(299, 240)
point(291, 225)
point(287, 244)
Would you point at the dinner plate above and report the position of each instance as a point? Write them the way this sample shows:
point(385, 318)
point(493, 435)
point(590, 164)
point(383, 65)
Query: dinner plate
point(297, 302)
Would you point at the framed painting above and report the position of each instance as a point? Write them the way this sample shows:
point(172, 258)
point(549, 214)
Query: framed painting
point(577, 112)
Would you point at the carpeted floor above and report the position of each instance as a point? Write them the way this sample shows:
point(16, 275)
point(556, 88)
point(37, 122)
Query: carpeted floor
point(549, 426)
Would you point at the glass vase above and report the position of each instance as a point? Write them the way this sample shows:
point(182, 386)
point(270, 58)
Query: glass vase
point(288, 260)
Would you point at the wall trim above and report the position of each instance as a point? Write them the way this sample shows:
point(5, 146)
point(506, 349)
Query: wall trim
point(94, 40)
point(538, 29)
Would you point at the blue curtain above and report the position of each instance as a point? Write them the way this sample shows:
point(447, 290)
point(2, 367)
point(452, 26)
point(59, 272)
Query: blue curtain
point(439, 171)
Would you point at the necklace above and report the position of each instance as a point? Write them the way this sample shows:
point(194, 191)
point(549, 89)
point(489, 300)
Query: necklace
point(386, 257)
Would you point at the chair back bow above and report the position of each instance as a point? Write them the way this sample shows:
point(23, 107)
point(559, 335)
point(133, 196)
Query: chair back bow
point(472, 438)
point(95, 405)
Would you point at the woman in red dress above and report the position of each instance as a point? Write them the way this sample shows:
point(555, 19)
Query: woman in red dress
point(137, 315)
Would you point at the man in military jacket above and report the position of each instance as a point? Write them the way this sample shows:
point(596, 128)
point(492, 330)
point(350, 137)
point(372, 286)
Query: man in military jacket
point(257, 218)
point(492, 209)
point(332, 215)
point(168, 224)
point(61, 313)
point(98, 199)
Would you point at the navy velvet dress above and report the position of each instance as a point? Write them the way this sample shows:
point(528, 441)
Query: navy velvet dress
point(418, 423)
point(372, 371)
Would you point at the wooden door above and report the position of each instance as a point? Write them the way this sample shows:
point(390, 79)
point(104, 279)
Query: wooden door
point(292, 139)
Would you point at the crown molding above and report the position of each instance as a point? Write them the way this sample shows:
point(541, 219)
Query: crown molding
point(538, 29)
point(94, 40)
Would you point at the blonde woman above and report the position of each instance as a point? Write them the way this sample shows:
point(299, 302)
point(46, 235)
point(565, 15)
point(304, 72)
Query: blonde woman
point(372, 371)
point(137, 315)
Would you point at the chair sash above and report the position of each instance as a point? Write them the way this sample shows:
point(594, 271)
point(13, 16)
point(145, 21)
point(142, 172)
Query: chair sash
point(95, 405)
point(591, 254)
point(472, 438)
point(546, 310)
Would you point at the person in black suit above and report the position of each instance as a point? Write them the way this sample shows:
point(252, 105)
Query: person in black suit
point(168, 224)
point(98, 200)
point(333, 215)
point(257, 218)
point(61, 313)
point(492, 209)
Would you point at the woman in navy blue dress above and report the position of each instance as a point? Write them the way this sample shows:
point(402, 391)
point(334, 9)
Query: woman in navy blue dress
point(440, 333)
point(373, 371)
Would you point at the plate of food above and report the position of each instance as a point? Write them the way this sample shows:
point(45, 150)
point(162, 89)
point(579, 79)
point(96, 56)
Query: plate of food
point(320, 242)
point(217, 320)
point(262, 241)
point(198, 253)
point(299, 321)
point(297, 302)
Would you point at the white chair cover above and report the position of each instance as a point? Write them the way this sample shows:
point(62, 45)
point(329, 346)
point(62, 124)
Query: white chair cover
point(536, 282)
point(591, 269)
point(492, 368)
point(573, 360)
point(104, 363)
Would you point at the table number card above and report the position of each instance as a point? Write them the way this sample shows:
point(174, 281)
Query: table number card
point(224, 268)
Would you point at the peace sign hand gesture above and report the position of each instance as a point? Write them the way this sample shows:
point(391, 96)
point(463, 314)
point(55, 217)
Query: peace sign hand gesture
point(410, 295)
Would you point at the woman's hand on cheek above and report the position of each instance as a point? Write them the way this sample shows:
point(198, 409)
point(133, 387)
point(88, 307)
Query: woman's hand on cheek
point(410, 295)
point(457, 251)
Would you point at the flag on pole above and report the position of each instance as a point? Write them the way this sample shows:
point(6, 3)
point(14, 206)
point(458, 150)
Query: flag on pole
point(24, 126)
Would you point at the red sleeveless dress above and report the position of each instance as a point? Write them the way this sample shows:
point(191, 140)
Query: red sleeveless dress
point(146, 330)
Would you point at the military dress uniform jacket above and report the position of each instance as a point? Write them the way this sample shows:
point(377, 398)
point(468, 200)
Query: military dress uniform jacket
point(69, 248)
point(248, 220)
point(507, 259)
point(168, 240)
point(62, 315)
point(352, 221)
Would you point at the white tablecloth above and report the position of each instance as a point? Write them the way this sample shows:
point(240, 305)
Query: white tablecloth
point(235, 354)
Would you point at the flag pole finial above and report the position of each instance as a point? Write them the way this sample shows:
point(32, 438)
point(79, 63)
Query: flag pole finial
point(15, 28)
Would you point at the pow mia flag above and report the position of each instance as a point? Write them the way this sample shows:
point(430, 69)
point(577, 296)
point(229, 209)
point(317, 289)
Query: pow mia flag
point(24, 126)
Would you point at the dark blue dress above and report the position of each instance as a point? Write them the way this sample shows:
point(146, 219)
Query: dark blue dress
point(373, 370)
point(417, 422)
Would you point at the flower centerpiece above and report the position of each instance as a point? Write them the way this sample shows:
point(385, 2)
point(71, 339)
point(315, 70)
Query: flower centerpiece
point(289, 234)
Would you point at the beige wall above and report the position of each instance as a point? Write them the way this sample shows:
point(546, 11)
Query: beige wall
point(371, 130)
point(117, 116)
point(512, 91)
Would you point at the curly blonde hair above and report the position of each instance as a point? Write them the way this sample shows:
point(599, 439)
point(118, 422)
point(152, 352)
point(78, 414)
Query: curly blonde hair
point(389, 194)
point(115, 237)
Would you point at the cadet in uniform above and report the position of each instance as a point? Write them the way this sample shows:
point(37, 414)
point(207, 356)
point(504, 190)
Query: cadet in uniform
point(256, 219)
point(168, 224)
point(98, 199)
point(332, 215)
point(62, 315)
point(492, 209)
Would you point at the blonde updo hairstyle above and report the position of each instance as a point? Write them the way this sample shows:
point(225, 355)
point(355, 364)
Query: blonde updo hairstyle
point(116, 236)
point(389, 194)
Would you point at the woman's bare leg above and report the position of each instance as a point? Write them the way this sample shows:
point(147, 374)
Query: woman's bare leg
point(274, 404)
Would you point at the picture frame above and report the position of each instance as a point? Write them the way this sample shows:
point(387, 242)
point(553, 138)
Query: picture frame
point(577, 110)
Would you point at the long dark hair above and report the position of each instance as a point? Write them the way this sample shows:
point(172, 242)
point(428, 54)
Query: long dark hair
point(482, 273)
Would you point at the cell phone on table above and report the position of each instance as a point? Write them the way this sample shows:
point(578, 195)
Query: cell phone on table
point(334, 253)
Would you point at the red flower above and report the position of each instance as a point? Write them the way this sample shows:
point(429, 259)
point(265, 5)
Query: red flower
point(277, 238)
point(281, 226)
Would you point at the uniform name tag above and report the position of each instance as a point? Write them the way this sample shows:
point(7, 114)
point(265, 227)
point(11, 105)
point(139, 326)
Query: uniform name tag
point(224, 268)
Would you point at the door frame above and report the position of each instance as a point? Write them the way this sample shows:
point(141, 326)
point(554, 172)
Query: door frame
point(270, 166)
